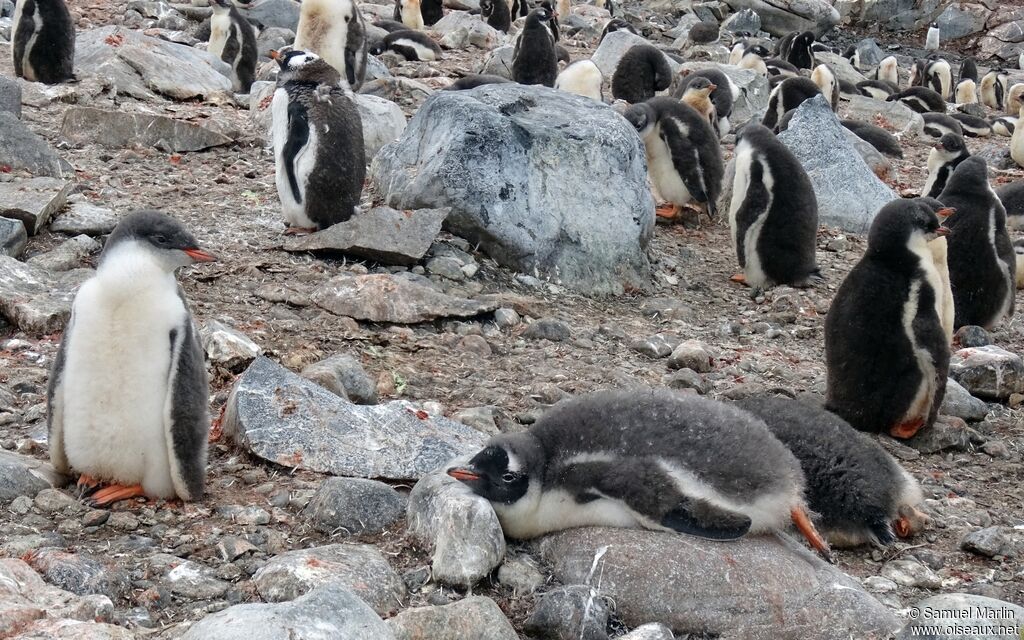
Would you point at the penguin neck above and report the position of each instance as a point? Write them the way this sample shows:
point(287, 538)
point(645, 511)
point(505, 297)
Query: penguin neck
point(131, 268)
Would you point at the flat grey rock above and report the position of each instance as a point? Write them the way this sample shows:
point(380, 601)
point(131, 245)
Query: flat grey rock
point(80, 573)
point(965, 611)
point(379, 297)
point(290, 421)
point(227, 346)
point(460, 29)
point(116, 129)
point(381, 234)
point(33, 200)
point(779, 17)
point(35, 300)
point(20, 148)
point(273, 13)
point(570, 613)
point(82, 217)
point(472, 618)
point(988, 372)
point(893, 115)
point(960, 403)
point(13, 237)
point(186, 579)
point(24, 476)
point(67, 255)
point(354, 506)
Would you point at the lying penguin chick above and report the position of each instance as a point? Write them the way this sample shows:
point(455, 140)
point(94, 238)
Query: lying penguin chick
point(886, 352)
point(320, 160)
point(800, 53)
point(703, 33)
point(937, 125)
point(233, 40)
point(1011, 196)
point(474, 80)
point(583, 78)
point(883, 141)
point(877, 89)
point(723, 95)
point(790, 94)
point(1004, 125)
point(973, 126)
point(981, 258)
point(534, 60)
point(888, 70)
point(408, 13)
point(944, 157)
point(1015, 98)
point(674, 136)
point(779, 67)
point(616, 24)
point(827, 83)
point(1017, 140)
point(497, 14)
point(697, 94)
point(127, 400)
point(647, 459)
point(334, 30)
point(753, 59)
point(993, 89)
point(640, 74)
point(859, 491)
point(43, 41)
point(939, 248)
point(390, 25)
point(411, 45)
point(920, 99)
point(773, 215)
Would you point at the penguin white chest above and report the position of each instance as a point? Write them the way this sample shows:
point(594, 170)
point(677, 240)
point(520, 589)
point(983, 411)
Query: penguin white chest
point(37, 24)
point(220, 27)
point(911, 307)
point(292, 173)
point(663, 170)
point(745, 159)
point(540, 512)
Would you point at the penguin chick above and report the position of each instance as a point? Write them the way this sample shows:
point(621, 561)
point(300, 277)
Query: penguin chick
point(789, 94)
point(233, 40)
point(938, 76)
point(127, 396)
point(642, 458)
point(888, 70)
point(43, 41)
point(993, 89)
point(859, 491)
point(939, 248)
point(408, 13)
point(1012, 198)
point(827, 83)
point(641, 73)
point(390, 25)
point(722, 96)
point(800, 53)
point(931, 42)
point(534, 60)
point(973, 126)
point(564, 8)
point(474, 80)
point(411, 45)
point(920, 99)
point(697, 95)
point(883, 141)
point(675, 135)
point(969, 69)
point(877, 89)
point(520, 9)
point(1015, 98)
point(981, 259)
point(1004, 125)
point(703, 33)
point(773, 215)
point(616, 24)
point(753, 59)
point(1017, 140)
point(736, 53)
point(779, 67)
point(497, 14)
point(583, 78)
point(937, 125)
point(966, 92)
point(944, 157)
point(334, 30)
point(886, 352)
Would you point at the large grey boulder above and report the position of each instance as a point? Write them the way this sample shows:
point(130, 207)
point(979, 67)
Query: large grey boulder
point(544, 181)
point(614, 46)
point(286, 419)
point(34, 299)
point(383, 122)
point(966, 611)
point(779, 17)
point(381, 234)
point(283, 14)
point(962, 19)
point(33, 201)
point(753, 88)
point(399, 298)
point(848, 193)
point(20, 148)
point(988, 371)
point(758, 588)
point(89, 125)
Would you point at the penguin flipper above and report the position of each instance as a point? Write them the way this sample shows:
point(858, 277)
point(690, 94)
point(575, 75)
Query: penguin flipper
point(55, 405)
point(702, 519)
point(298, 136)
point(187, 424)
point(686, 160)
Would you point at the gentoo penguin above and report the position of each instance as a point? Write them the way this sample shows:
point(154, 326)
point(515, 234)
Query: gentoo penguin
point(552, 25)
point(390, 25)
point(827, 83)
point(800, 53)
point(1017, 140)
point(318, 143)
point(782, 47)
point(703, 33)
point(616, 24)
point(883, 141)
point(939, 248)
point(1015, 98)
point(233, 40)
point(877, 89)
point(1004, 125)
point(583, 78)
point(723, 95)
point(789, 94)
point(966, 91)
point(408, 13)
point(1012, 197)
point(886, 352)
point(520, 9)
point(475, 80)
point(938, 76)
point(697, 95)
point(684, 158)
point(920, 99)
point(888, 70)
point(982, 266)
point(534, 60)
point(773, 215)
point(931, 41)
point(334, 31)
point(858, 491)
point(736, 53)
point(43, 41)
point(411, 45)
point(127, 396)
point(640, 74)
point(937, 125)
point(973, 126)
point(944, 157)
point(779, 67)
point(993, 88)
point(753, 59)
point(641, 458)
point(497, 14)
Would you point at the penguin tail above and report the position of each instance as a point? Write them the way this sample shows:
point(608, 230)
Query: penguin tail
point(880, 530)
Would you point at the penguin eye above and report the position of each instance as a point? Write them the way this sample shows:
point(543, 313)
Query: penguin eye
point(159, 239)
point(508, 478)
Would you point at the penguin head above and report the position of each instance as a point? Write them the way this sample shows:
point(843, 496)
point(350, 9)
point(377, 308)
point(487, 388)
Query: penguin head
point(950, 146)
point(220, 6)
point(701, 84)
point(503, 470)
point(804, 40)
point(293, 60)
point(642, 117)
point(757, 50)
point(486, 8)
point(901, 222)
point(538, 17)
point(160, 236)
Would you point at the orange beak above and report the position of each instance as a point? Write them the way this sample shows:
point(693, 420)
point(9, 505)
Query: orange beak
point(712, 87)
point(945, 212)
point(274, 54)
point(942, 231)
point(199, 255)
point(463, 474)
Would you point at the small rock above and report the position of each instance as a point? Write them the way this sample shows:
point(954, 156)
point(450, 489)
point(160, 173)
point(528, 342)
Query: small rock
point(996, 449)
point(123, 521)
point(55, 501)
point(345, 376)
point(476, 345)
point(231, 548)
point(691, 354)
point(652, 631)
point(989, 542)
point(878, 584)
point(10, 96)
point(575, 612)
point(910, 573)
point(472, 618)
point(354, 506)
point(187, 579)
point(547, 329)
point(960, 403)
point(656, 346)
point(13, 237)
point(25, 477)
point(34, 609)
point(686, 378)
point(988, 372)
point(33, 200)
point(67, 255)
point(520, 574)
point(389, 298)
point(82, 217)
point(446, 267)
point(948, 432)
point(227, 346)
point(244, 515)
point(506, 318)
point(970, 336)
point(79, 573)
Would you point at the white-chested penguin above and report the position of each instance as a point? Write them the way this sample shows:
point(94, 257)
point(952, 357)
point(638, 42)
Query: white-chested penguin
point(128, 396)
point(318, 143)
point(886, 351)
point(43, 41)
point(684, 158)
point(583, 78)
point(616, 24)
point(799, 52)
point(939, 248)
point(534, 60)
point(1017, 140)
point(497, 14)
point(789, 94)
point(934, 73)
point(641, 73)
point(642, 458)
point(966, 91)
point(883, 141)
point(410, 44)
point(920, 99)
point(1015, 99)
point(827, 83)
point(858, 491)
point(1004, 126)
point(697, 95)
point(723, 95)
point(408, 13)
point(944, 157)
point(773, 215)
point(233, 40)
point(982, 265)
point(753, 58)
point(973, 126)
point(937, 125)
point(334, 30)
point(888, 70)
point(931, 41)
point(993, 88)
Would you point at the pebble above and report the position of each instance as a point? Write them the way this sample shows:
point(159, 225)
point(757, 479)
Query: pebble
point(652, 631)
point(472, 618)
point(446, 267)
point(691, 354)
point(972, 336)
point(123, 521)
point(960, 403)
point(249, 515)
point(910, 573)
point(475, 345)
point(506, 318)
point(21, 505)
point(989, 542)
point(520, 574)
point(95, 518)
point(878, 584)
point(656, 346)
point(231, 548)
point(353, 506)
point(575, 612)
point(685, 379)
point(547, 329)
point(345, 376)
point(53, 500)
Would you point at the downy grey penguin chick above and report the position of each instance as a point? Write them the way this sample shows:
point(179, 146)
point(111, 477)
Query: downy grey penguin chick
point(859, 491)
point(944, 157)
point(697, 95)
point(788, 95)
point(973, 126)
point(43, 41)
point(318, 143)
point(800, 53)
point(966, 91)
point(642, 458)
point(127, 397)
point(534, 60)
point(940, 258)
point(335, 31)
point(886, 351)
point(722, 96)
point(883, 141)
point(616, 24)
point(640, 74)
point(1011, 195)
point(233, 40)
point(497, 14)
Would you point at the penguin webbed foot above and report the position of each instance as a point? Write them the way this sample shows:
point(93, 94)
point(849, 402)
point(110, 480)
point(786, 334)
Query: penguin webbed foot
point(907, 429)
point(704, 520)
point(86, 486)
point(803, 523)
point(114, 493)
point(667, 211)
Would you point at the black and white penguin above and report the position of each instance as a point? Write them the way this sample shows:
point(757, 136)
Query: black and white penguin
point(318, 143)
point(883, 141)
point(411, 45)
point(939, 248)
point(993, 88)
point(938, 76)
point(920, 99)
point(966, 91)
point(982, 265)
point(583, 78)
point(697, 95)
point(1004, 125)
point(722, 95)
point(931, 41)
point(800, 53)
point(497, 13)
point(886, 351)
point(973, 126)
point(1017, 140)
point(642, 458)
point(789, 94)
point(334, 30)
point(1012, 197)
point(754, 58)
point(390, 25)
point(779, 67)
point(640, 74)
point(888, 70)
point(1015, 99)
point(827, 83)
point(553, 26)
point(233, 40)
point(773, 215)
point(432, 11)
point(534, 60)
point(43, 41)
point(937, 125)
point(943, 159)
point(616, 24)
point(408, 13)
point(127, 397)
point(877, 89)
point(858, 491)
point(475, 80)
point(520, 9)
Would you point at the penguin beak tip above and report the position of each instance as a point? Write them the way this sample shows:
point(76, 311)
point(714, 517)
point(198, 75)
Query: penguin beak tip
point(945, 212)
point(200, 256)
point(942, 231)
point(462, 474)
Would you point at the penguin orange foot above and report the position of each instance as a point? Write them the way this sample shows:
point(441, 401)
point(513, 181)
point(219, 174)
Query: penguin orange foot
point(667, 211)
point(806, 527)
point(907, 429)
point(115, 493)
point(86, 485)
point(738, 277)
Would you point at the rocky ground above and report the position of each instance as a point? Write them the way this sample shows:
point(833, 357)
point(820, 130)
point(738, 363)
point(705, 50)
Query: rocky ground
point(154, 569)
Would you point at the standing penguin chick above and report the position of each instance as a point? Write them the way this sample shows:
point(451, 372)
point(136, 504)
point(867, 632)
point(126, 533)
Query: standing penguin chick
point(1017, 140)
point(982, 265)
point(966, 91)
point(859, 491)
point(931, 41)
point(827, 83)
point(520, 9)
point(722, 96)
point(939, 248)
point(684, 158)
point(534, 60)
point(318, 143)
point(1015, 99)
point(233, 40)
point(697, 95)
point(127, 396)
point(754, 59)
point(801, 52)
point(888, 70)
point(497, 14)
point(641, 72)
point(583, 78)
point(938, 76)
point(43, 41)
point(993, 88)
point(944, 157)
point(789, 94)
point(886, 351)
point(408, 13)
point(773, 216)
point(334, 30)
point(641, 459)
point(607, 5)
point(411, 45)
